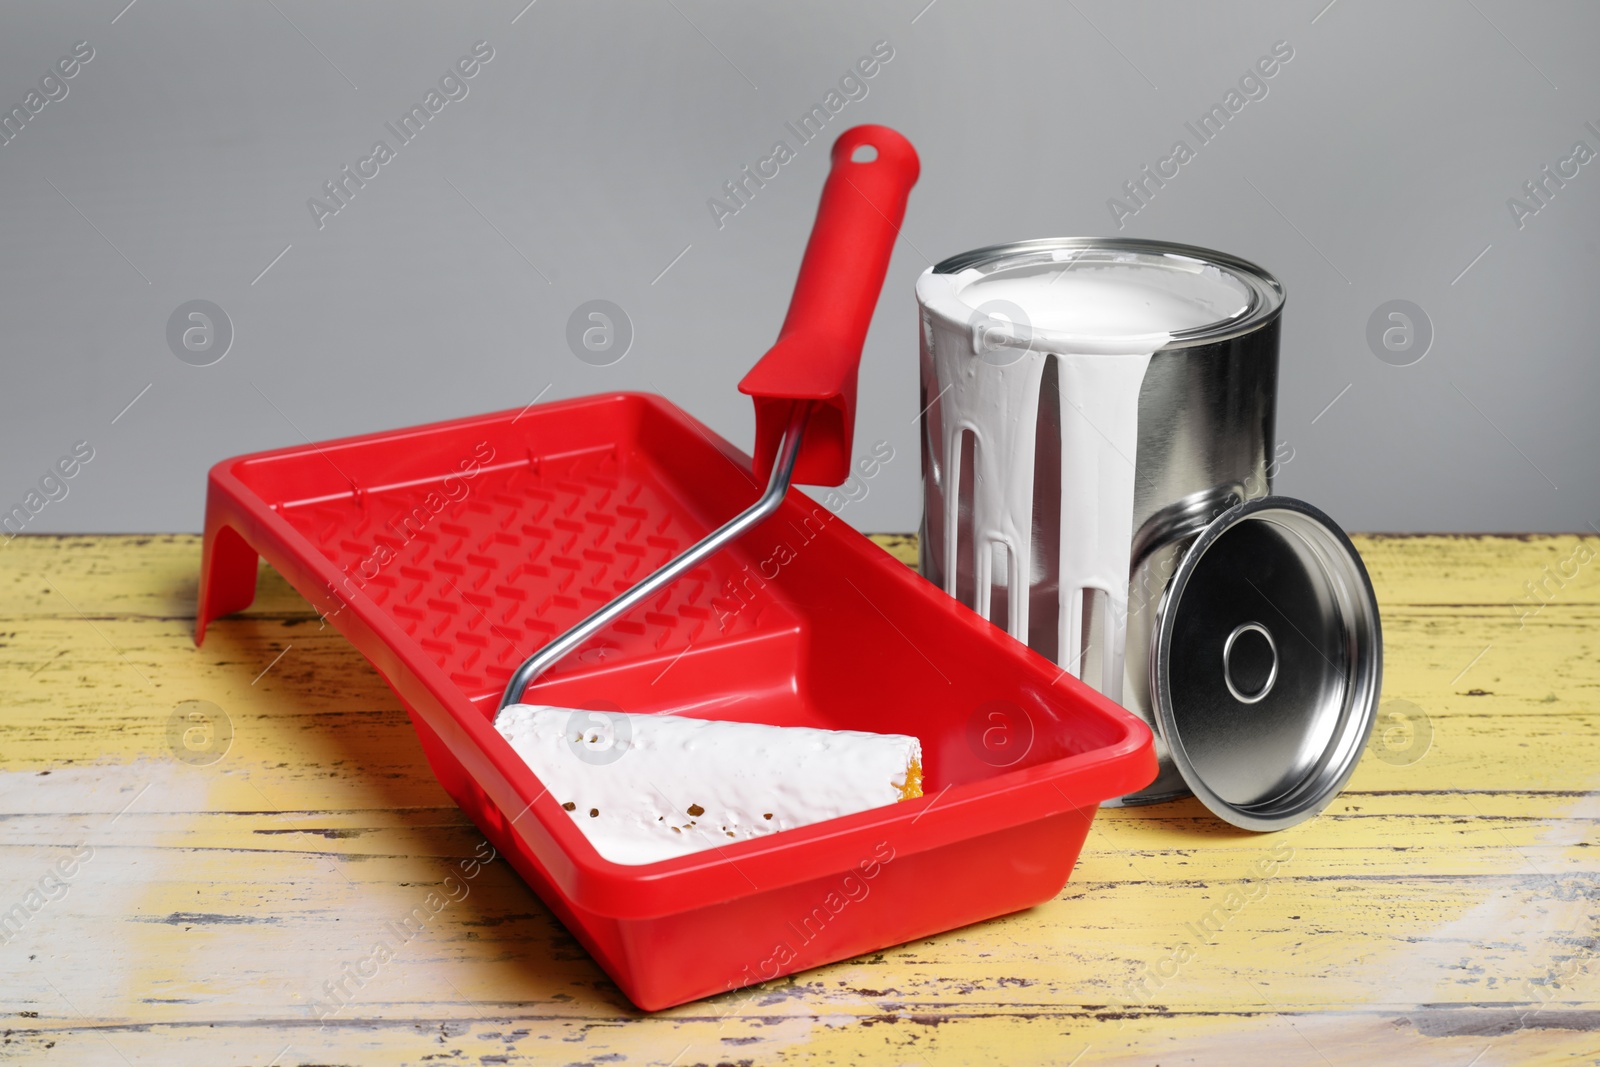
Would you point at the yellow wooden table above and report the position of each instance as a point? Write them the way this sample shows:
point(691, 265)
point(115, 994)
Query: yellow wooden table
point(174, 893)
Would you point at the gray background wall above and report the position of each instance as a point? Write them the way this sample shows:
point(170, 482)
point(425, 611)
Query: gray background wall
point(1377, 167)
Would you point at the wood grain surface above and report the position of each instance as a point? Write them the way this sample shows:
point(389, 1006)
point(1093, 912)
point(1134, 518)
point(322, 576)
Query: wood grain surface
point(177, 890)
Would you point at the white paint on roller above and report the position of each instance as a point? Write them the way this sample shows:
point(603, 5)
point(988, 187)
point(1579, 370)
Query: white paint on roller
point(644, 788)
point(1103, 317)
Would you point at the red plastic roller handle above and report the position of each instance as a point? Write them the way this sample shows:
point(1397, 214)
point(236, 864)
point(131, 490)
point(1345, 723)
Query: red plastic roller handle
point(819, 348)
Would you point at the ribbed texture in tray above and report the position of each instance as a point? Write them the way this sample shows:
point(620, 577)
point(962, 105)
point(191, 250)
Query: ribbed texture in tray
point(482, 580)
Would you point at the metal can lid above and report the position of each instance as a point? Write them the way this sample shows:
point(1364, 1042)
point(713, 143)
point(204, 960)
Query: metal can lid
point(1267, 663)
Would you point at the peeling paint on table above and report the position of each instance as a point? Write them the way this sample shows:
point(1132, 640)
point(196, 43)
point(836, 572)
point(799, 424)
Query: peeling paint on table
point(202, 851)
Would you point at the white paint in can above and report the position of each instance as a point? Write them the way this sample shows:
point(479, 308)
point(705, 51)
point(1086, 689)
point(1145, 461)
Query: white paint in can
point(1102, 315)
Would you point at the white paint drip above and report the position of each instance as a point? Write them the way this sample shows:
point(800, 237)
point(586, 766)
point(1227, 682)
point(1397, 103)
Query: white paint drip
point(990, 336)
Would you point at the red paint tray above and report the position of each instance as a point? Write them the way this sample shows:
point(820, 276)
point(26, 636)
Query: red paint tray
point(448, 553)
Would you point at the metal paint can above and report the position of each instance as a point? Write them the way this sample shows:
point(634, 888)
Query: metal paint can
point(1097, 445)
